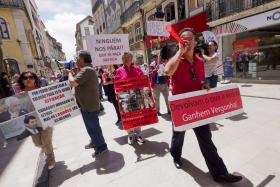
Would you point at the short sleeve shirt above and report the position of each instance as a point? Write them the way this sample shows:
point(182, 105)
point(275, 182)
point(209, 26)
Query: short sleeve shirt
point(87, 92)
point(182, 80)
point(124, 73)
point(211, 67)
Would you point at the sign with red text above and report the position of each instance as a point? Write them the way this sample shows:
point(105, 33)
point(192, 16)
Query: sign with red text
point(136, 102)
point(54, 103)
point(106, 49)
point(199, 108)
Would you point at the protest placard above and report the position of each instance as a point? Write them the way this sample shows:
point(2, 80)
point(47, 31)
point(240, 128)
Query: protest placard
point(12, 112)
point(157, 28)
point(136, 103)
point(54, 103)
point(106, 49)
point(199, 108)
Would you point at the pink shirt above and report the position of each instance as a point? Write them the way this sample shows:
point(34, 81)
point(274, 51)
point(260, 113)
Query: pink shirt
point(124, 73)
point(182, 81)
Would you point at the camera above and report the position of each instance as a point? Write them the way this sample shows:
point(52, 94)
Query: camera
point(200, 44)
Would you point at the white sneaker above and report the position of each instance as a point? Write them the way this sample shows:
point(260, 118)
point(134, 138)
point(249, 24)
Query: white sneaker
point(139, 139)
point(51, 166)
point(130, 139)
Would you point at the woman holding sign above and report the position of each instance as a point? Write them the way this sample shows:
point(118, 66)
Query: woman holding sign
point(29, 81)
point(128, 70)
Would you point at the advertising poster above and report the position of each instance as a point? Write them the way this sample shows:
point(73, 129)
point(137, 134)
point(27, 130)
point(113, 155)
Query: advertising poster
point(136, 103)
point(199, 108)
point(106, 49)
point(54, 103)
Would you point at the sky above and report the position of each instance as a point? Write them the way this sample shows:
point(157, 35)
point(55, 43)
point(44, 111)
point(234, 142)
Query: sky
point(60, 18)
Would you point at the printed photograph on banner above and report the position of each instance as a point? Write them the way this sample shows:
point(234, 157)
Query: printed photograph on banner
point(11, 110)
point(136, 103)
point(54, 103)
point(15, 106)
point(137, 99)
point(21, 127)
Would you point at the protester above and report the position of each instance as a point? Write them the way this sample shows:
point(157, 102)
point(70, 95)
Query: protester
point(6, 85)
point(128, 70)
point(15, 84)
point(210, 64)
point(43, 81)
point(108, 81)
point(87, 95)
point(159, 82)
point(64, 76)
point(29, 81)
point(187, 73)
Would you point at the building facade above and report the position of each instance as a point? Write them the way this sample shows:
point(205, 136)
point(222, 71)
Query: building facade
point(83, 29)
point(99, 16)
point(18, 45)
point(249, 34)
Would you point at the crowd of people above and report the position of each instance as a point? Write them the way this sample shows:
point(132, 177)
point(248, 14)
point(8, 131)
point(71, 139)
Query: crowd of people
point(184, 72)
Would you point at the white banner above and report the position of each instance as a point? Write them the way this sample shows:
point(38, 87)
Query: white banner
point(106, 49)
point(157, 28)
point(54, 103)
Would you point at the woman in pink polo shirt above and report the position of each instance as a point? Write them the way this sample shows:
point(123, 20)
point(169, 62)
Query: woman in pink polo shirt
point(128, 70)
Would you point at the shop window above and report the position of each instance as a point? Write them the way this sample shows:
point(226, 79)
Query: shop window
point(138, 33)
point(169, 11)
point(194, 4)
point(11, 66)
point(4, 32)
point(87, 32)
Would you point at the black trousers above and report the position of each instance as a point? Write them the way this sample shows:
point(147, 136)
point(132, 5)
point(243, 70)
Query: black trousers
point(203, 134)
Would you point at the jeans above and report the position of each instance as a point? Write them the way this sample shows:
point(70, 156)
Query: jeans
point(161, 88)
point(135, 131)
point(203, 134)
point(212, 81)
point(91, 121)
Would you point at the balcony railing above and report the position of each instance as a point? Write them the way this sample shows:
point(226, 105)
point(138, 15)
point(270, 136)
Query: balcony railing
point(217, 9)
point(130, 12)
point(12, 3)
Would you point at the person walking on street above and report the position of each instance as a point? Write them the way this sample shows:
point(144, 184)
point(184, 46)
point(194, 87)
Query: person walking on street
point(29, 81)
point(128, 70)
point(188, 75)
point(108, 77)
point(159, 82)
point(210, 63)
point(87, 95)
point(6, 85)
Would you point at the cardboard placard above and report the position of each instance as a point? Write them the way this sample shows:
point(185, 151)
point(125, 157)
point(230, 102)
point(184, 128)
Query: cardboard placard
point(199, 108)
point(136, 102)
point(106, 49)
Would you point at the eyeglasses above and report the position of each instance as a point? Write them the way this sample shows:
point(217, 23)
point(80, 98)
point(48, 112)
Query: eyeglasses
point(193, 74)
point(28, 78)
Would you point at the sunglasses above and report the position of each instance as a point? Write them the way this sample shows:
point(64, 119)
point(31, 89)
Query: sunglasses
point(28, 78)
point(193, 74)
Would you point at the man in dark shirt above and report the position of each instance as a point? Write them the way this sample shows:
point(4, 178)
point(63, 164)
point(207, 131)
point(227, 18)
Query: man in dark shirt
point(6, 85)
point(87, 95)
point(188, 75)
